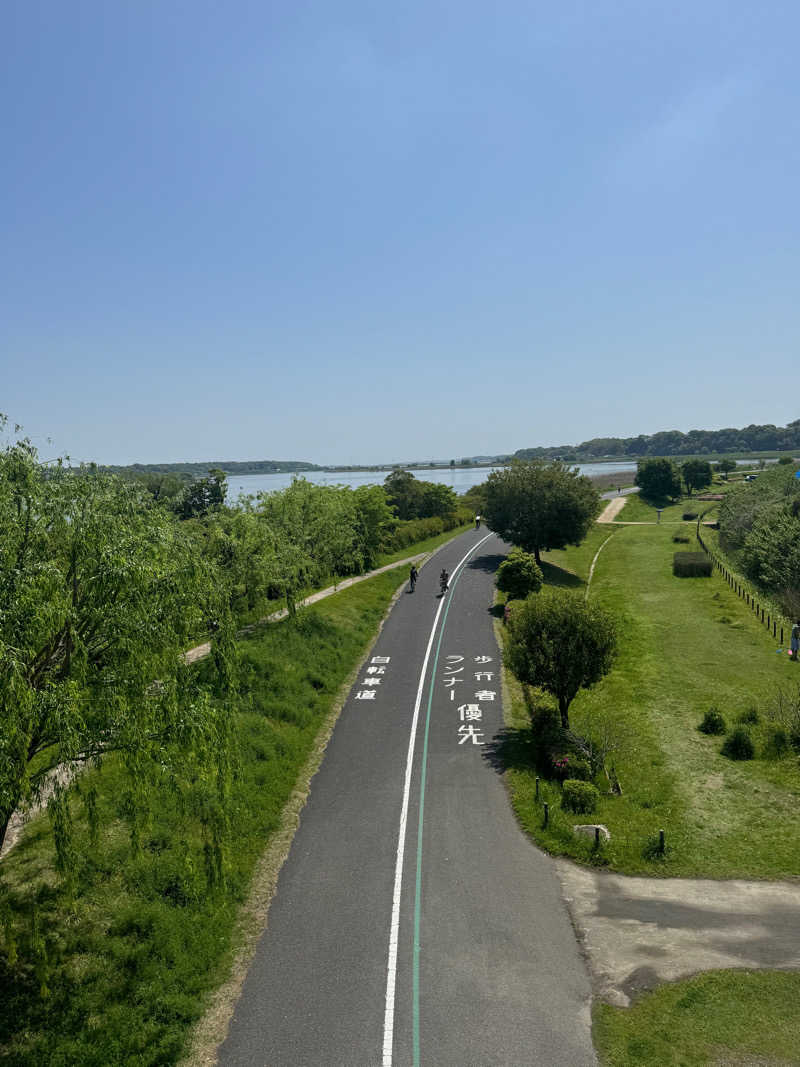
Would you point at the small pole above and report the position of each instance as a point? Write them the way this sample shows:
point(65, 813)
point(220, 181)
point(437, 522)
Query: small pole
point(781, 635)
point(537, 786)
point(546, 814)
point(597, 837)
point(661, 844)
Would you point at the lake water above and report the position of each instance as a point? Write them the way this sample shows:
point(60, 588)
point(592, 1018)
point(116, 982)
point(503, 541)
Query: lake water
point(458, 478)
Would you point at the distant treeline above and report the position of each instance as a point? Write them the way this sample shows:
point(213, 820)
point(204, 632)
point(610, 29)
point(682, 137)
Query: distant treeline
point(188, 471)
point(767, 438)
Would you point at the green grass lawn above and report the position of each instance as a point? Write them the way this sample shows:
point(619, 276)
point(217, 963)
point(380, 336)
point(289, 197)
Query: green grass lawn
point(130, 952)
point(718, 1018)
point(685, 645)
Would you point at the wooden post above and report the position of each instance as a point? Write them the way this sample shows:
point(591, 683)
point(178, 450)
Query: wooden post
point(546, 814)
point(661, 842)
point(537, 786)
point(597, 837)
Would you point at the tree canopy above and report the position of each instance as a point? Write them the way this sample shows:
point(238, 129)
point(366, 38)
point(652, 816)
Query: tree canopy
point(540, 506)
point(560, 643)
point(658, 479)
point(101, 593)
point(696, 474)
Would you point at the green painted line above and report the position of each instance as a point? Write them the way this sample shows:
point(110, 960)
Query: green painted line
point(423, 778)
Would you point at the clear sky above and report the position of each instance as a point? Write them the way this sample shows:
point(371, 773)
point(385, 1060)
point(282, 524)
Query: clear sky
point(361, 231)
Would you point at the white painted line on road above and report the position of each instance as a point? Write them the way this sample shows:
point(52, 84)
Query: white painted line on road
point(391, 969)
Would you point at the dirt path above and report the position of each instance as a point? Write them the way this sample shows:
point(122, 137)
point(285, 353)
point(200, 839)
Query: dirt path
point(639, 932)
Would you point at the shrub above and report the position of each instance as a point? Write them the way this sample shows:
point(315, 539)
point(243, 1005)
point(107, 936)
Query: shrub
point(519, 575)
point(739, 744)
point(777, 744)
point(750, 716)
point(579, 797)
point(689, 515)
point(691, 565)
point(567, 766)
point(713, 722)
point(682, 536)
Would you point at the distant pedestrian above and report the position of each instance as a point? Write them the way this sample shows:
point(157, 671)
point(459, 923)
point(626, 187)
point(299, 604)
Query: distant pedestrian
point(477, 522)
point(413, 577)
point(794, 642)
point(619, 489)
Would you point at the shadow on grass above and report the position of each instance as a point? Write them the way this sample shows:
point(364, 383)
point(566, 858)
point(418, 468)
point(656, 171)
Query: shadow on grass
point(557, 576)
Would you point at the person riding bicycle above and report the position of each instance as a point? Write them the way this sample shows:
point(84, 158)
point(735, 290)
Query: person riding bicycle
point(444, 579)
point(413, 577)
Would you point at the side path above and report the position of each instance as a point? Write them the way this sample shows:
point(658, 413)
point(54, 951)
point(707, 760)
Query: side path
point(421, 558)
point(639, 932)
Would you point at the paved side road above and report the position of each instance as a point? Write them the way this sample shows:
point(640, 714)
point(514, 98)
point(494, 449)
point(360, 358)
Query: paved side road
point(638, 932)
point(413, 922)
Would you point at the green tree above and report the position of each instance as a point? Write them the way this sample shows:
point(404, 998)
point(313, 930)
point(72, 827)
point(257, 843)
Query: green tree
point(562, 644)
point(375, 521)
point(436, 499)
point(726, 465)
point(540, 506)
point(101, 592)
point(404, 494)
point(202, 496)
point(658, 479)
point(696, 473)
point(519, 575)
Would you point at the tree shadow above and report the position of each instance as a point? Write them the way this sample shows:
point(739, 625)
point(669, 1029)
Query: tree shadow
point(512, 749)
point(487, 563)
point(557, 576)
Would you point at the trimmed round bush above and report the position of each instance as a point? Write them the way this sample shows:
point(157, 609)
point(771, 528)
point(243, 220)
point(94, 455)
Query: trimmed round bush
point(750, 716)
point(519, 575)
point(713, 722)
point(739, 744)
point(689, 515)
point(579, 797)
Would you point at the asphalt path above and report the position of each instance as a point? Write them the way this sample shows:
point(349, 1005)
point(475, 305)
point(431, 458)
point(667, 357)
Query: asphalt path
point(413, 923)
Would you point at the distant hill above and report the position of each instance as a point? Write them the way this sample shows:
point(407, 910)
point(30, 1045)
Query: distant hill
point(199, 470)
point(767, 438)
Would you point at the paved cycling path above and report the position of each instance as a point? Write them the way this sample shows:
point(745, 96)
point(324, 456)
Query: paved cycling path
point(413, 923)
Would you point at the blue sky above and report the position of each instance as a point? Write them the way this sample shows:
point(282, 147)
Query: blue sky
point(351, 232)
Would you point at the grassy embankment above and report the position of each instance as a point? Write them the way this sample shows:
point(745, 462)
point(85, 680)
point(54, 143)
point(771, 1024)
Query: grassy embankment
point(685, 644)
point(136, 943)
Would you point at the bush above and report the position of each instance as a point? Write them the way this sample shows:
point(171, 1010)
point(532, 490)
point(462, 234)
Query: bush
point(750, 716)
point(777, 744)
point(579, 797)
point(572, 767)
point(682, 536)
point(689, 515)
point(713, 722)
point(739, 744)
point(519, 575)
point(691, 565)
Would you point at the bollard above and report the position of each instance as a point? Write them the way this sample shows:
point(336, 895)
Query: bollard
point(597, 837)
point(537, 786)
point(661, 844)
point(546, 813)
point(781, 635)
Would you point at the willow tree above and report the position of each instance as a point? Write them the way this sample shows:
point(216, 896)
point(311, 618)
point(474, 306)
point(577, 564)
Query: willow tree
point(100, 594)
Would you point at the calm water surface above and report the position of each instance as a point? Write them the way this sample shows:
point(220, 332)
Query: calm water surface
point(458, 478)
